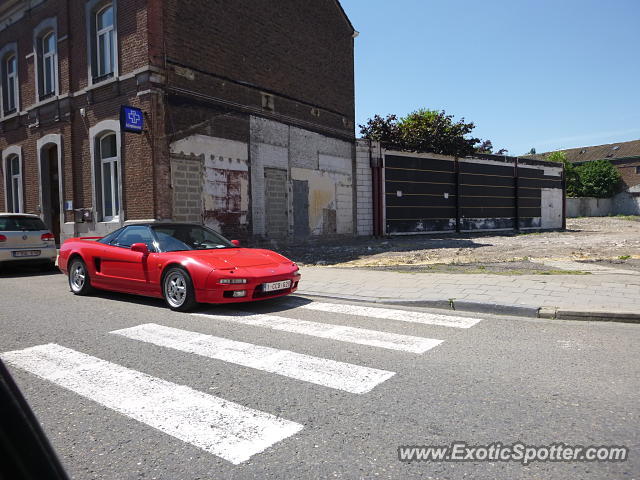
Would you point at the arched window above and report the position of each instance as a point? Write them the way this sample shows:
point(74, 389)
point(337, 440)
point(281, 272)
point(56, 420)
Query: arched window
point(105, 41)
point(48, 64)
point(107, 151)
point(10, 83)
point(14, 184)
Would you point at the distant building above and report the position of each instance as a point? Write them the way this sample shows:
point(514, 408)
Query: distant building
point(625, 156)
point(248, 111)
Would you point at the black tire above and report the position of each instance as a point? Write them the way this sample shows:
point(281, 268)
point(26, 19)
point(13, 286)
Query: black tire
point(177, 289)
point(79, 281)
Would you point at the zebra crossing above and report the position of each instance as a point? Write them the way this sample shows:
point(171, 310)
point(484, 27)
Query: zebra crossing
point(221, 427)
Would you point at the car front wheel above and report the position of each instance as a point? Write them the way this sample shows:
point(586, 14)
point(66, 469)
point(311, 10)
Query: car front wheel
point(79, 278)
point(178, 290)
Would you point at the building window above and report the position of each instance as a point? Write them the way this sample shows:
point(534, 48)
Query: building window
point(47, 64)
point(10, 83)
point(109, 187)
point(102, 31)
point(14, 185)
point(638, 170)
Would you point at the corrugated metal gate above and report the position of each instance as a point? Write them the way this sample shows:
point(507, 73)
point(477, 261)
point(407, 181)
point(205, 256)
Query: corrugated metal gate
point(445, 194)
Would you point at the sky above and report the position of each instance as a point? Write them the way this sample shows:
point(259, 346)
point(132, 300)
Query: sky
point(543, 74)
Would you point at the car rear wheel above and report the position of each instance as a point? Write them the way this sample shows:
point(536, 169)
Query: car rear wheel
point(79, 281)
point(178, 290)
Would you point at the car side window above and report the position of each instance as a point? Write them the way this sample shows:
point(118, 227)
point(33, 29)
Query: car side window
point(135, 234)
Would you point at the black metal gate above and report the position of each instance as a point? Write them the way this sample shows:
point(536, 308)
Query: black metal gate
point(445, 194)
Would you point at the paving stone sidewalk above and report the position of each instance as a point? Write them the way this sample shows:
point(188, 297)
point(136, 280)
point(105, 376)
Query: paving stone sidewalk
point(602, 292)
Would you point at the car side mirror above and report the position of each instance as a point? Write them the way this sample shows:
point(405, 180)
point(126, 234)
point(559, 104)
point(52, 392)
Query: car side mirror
point(140, 247)
point(236, 242)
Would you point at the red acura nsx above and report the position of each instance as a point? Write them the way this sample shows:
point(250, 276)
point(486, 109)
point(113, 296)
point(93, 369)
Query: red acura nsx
point(182, 263)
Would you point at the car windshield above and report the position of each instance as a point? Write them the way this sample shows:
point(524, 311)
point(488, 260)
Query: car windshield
point(173, 238)
point(18, 223)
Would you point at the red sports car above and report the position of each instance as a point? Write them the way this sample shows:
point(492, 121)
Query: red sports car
point(182, 263)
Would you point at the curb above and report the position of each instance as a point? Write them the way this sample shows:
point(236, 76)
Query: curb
point(492, 308)
point(594, 316)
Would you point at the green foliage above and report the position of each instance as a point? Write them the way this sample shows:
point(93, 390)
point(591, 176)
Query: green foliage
point(598, 179)
point(428, 131)
point(572, 179)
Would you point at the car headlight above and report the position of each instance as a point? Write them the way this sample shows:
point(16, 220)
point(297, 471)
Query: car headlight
point(231, 281)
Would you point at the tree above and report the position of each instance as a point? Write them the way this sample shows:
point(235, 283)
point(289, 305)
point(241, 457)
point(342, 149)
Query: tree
point(572, 180)
point(485, 147)
point(532, 151)
point(424, 130)
point(385, 130)
point(598, 178)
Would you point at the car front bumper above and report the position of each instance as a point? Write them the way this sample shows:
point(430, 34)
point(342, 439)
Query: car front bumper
point(222, 293)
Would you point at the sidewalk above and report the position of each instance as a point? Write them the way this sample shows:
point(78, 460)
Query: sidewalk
point(600, 296)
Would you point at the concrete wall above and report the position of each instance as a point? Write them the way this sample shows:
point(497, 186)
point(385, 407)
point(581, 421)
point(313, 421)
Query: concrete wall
point(320, 166)
point(624, 203)
point(589, 207)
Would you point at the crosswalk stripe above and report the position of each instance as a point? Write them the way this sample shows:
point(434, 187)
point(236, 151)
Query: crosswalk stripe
point(362, 336)
point(218, 426)
point(394, 314)
point(328, 373)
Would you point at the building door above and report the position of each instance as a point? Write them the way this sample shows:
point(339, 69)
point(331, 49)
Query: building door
point(277, 218)
point(50, 188)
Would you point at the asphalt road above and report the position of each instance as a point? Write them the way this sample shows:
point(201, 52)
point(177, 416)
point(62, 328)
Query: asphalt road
point(164, 403)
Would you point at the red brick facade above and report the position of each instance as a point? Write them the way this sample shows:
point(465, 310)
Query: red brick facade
point(192, 66)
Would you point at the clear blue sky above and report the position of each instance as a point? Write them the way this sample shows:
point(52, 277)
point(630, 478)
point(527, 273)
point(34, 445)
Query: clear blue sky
point(548, 74)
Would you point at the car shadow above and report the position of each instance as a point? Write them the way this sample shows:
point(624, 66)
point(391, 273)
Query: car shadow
point(18, 271)
point(271, 305)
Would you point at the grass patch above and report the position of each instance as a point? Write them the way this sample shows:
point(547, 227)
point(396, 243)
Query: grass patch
point(624, 257)
point(633, 218)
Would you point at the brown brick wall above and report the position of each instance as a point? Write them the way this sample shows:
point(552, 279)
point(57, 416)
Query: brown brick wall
point(302, 51)
point(63, 115)
point(628, 170)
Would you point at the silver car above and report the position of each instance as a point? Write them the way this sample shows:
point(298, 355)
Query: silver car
point(24, 239)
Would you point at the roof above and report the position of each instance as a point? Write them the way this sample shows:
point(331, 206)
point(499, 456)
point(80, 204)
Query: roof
point(610, 151)
point(346, 17)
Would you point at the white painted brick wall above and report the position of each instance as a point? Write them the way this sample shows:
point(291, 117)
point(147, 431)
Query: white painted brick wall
point(364, 191)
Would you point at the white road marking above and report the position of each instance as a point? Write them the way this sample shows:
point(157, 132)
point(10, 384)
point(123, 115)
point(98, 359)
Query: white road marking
point(224, 428)
point(394, 314)
point(362, 336)
point(328, 373)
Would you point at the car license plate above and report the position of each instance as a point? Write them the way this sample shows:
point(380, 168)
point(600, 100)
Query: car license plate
point(273, 286)
point(26, 253)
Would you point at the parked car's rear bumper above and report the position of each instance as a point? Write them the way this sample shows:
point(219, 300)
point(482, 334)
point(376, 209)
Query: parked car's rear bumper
point(47, 254)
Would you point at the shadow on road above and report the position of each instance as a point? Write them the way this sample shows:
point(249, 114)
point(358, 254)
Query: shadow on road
point(18, 271)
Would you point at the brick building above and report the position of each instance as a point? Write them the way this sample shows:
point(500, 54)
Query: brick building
point(625, 156)
point(248, 109)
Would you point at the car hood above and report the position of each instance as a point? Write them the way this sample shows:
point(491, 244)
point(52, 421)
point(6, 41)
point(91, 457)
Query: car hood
point(238, 258)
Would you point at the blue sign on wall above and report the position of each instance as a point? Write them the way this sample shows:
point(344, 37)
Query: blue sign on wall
point(131, 119)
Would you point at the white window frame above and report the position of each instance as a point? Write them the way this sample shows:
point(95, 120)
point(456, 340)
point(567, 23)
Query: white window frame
point(114, 168)
point(108, 33)
point(45, 28)
point(48, 57)
point(97, 133)
point(6, 53)
point(93, 9)
point(12, 179)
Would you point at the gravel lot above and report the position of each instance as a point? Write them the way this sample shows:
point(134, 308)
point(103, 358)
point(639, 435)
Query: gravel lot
point(611, 241)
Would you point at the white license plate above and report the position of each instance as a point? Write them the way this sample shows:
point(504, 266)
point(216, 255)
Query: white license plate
point(273, 286)
point(26, 253)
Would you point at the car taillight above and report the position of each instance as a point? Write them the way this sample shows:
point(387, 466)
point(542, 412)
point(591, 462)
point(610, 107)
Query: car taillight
point(48, 237)
point(3, 238)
